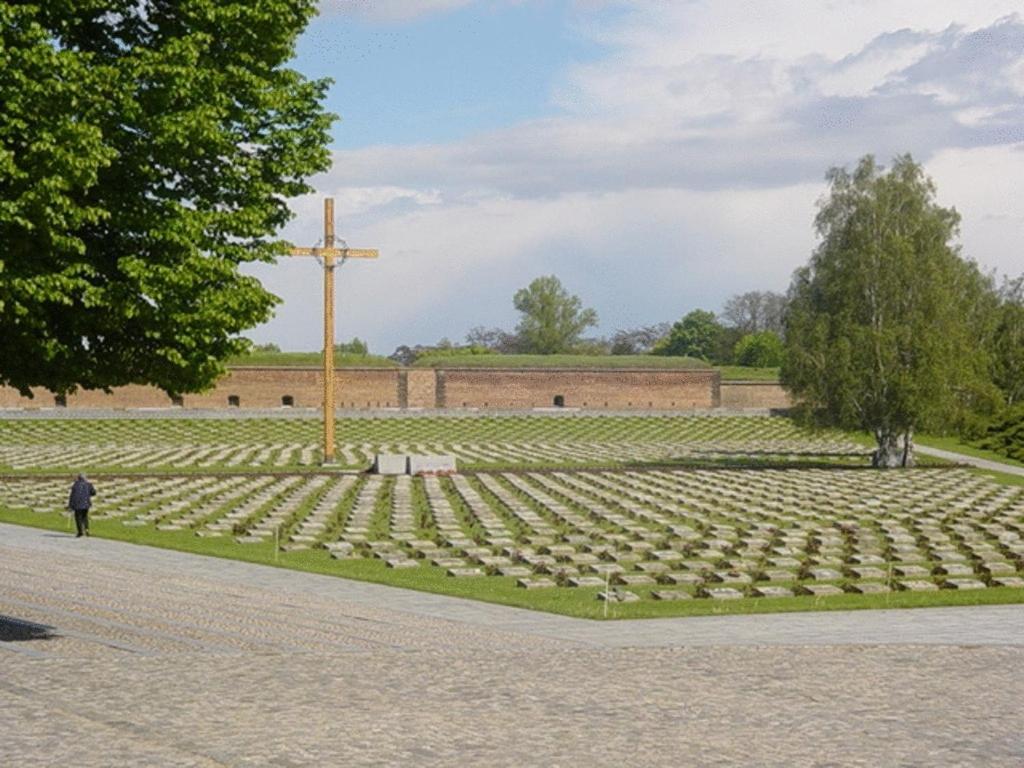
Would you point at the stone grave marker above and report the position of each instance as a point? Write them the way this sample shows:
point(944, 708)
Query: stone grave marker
point(722, 593)
point(963, 584)
point(867, 588)
point(390, 464)
point(772, 592)
point(432, 464)
point(914, 585)
point(536, 583)
point(671, 594)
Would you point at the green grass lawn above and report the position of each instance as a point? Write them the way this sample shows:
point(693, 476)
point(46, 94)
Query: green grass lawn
point(1001, 477)
point(579, 602)
point(558, 361)
point(303, 359)
point(742, 373)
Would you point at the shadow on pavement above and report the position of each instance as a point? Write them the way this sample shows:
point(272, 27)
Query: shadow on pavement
point(14, 630)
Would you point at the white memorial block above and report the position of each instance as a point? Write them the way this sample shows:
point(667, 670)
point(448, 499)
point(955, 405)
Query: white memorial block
point(390, 464)
point(431, 464)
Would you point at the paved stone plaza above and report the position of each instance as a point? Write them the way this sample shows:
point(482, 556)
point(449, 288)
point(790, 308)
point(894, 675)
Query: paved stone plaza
point(113, 654)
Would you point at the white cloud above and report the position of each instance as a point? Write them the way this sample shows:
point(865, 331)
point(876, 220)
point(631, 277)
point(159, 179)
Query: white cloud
point(390, 11)
point(681, 167)
point(718, 120)
point(666, 33)
point(639, 257)
point(984, 185)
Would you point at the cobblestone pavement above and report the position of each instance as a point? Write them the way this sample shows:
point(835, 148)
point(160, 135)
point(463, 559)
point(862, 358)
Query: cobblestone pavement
point(114, 655)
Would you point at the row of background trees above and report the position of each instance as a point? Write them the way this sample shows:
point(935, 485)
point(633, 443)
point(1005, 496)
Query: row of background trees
point(553, 321)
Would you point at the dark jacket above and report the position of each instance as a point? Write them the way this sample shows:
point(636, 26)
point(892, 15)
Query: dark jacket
point(81, 494)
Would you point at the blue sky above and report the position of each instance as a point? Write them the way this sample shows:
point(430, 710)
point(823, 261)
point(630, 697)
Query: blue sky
point(656, 156)
point(444, 76)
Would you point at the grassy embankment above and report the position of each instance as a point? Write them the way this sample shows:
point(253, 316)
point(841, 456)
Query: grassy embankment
point(304, 359)
point(297, 359)
point(558, 361)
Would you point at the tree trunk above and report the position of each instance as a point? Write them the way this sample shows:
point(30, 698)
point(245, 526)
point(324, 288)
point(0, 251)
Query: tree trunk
point(894, 450)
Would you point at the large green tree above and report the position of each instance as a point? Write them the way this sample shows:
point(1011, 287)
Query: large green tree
point(697, 334)
point(1008, 342)
point(552, 319)
point(147, 148)
point(885, 325)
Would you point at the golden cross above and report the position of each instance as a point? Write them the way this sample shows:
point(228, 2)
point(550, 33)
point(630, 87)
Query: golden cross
point(328, 253)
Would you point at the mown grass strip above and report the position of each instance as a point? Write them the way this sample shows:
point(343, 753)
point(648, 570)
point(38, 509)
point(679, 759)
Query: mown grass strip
point(559, 361)
point(743, 373)
point(303, 359)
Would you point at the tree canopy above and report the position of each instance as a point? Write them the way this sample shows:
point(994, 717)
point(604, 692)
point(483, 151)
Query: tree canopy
point(698, 334)
point(638, 341)
point(884, 326)
point(552, 319)
point(763, 349)
point(146, 151)
point(755, 311)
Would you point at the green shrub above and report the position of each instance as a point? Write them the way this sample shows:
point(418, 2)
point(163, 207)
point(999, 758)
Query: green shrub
point(759, 350)
point(1006, 435)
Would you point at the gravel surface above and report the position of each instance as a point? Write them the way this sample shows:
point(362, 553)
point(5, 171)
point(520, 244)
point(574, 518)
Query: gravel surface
point(112, 654)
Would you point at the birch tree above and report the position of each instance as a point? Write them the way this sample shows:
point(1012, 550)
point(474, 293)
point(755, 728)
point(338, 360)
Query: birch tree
point(885, 325)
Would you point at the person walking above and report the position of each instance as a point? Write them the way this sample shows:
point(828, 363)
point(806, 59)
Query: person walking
point(79, 502)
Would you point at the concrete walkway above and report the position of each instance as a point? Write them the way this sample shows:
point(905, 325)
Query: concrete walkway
point(974, 461)
point(119, 655)
point(975, 625)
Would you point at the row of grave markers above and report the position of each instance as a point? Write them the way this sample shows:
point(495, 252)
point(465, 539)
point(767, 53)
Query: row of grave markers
point(680, 534)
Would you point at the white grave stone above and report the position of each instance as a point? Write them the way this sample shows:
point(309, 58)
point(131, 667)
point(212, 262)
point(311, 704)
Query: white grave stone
point(431, 463)
point(390, 464)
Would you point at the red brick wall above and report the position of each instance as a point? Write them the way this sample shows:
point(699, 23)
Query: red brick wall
point(578, 388)
point(754, 394)
point(138, 395)
point(362, 388)
point(366, 388)
point(421, 388)
point(133, 396)
point(263, 388)
point(9, 398)
point(254, 387)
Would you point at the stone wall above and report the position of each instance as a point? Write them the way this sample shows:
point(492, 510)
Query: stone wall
point(132, 396)
point(371, 388)
point(421, 390)
point(263, 388)
point(578, 388)
point(754, 394)
point(244, 387)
